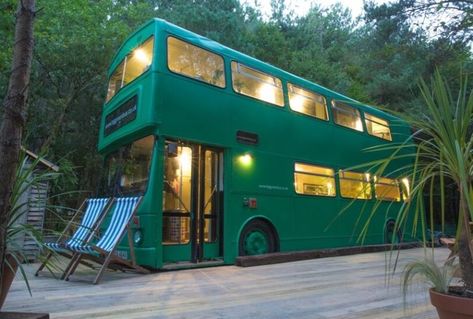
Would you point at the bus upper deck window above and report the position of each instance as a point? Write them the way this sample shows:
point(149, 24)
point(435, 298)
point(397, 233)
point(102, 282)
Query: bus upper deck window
point(307, 102)
point(131, 67)
point(196, 63)
point(378, 127)
point(259, 85)
point(347, 116)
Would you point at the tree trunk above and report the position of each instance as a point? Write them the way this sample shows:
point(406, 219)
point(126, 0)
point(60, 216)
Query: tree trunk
point(14, 110)
point(464, 245)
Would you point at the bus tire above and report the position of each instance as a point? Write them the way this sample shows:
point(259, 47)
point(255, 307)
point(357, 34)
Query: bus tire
point(390, 228)
point(257, 237)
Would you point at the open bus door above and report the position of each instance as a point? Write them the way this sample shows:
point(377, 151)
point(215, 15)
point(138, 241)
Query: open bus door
point(192, 202)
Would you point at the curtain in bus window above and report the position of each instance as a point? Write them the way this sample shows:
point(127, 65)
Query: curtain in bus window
point(257, 84)
point(347, 116)
point(196, 63)
point(377, 127)
point(355, 185)
point(387, 189)
point(314, 180)
point(307, 102)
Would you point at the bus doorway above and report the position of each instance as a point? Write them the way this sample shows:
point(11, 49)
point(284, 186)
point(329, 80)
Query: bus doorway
point(192, 203)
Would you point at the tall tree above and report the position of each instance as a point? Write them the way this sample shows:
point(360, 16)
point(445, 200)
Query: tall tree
point(14, 110)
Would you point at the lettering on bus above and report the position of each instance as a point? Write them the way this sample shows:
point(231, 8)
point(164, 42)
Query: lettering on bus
point(121, 116)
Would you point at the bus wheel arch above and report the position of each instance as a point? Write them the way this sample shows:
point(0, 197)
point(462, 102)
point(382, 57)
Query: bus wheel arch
point(390, 232)
point(257, 236)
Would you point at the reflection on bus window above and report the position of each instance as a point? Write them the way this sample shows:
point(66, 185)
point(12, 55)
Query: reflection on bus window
point(257, 84)
point(132, 66)
point(355, 185)
point(177, 194)
point(307, 102)
point(314, 180)
point(347, 116)
point(377, 127)
point(196, 63)
point(128, 168)
point(387, 189)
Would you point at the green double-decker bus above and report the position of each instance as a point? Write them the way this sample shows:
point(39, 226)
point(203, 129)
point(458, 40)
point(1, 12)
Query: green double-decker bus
point(236, 157)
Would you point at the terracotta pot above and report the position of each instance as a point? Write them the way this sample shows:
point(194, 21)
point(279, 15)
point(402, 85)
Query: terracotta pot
point(8, 276)
point(451, 306)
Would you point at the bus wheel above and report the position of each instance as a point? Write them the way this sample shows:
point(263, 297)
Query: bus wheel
point(257, 238)
point(393, 236)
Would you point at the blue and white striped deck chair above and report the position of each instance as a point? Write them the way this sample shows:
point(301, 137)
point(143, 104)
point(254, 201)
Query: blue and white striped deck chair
point(102, 251)
point(96, 208)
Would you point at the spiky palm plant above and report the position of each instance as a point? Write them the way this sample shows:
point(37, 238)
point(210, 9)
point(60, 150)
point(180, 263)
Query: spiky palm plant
point(440, 149)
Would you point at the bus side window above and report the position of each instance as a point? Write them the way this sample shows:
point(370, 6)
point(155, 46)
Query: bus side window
point(314, 180)
point(387, 189)
point(355, 185)
point(377, 127)
point(256, 84)
point(307, 102)
point(347, 116)
point(199, 64)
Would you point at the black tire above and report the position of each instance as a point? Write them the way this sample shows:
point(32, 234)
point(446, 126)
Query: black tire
point(389, 229)
point(260, 227)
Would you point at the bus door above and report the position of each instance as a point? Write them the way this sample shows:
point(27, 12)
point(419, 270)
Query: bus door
point(192, 202)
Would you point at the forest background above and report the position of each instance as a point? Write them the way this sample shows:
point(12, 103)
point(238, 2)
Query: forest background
point(377, 58)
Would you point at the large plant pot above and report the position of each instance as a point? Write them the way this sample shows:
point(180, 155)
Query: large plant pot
point(451, 307)
point(8, 276)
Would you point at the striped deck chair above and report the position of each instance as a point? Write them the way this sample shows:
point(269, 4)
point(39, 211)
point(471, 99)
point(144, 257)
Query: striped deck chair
point(96, 208)
point(102, 252)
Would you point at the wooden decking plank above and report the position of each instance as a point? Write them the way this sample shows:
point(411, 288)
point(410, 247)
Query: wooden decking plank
point(336, 287)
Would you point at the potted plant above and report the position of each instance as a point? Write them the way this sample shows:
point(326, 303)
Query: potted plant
point(16, 229)
point(442, 158)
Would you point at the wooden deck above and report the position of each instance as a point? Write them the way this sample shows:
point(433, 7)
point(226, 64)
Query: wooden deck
point(336, 287)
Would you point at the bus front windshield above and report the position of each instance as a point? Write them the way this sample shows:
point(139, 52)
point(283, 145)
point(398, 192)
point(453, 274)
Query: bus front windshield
point(127, 169)
point(132, 66)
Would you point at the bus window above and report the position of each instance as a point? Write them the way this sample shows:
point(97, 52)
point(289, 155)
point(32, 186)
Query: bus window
point(196, 63)
point(314, 180)
point(355, 185)
point(132, 66)
point(406, 189)
point(377, 127)
point(256, 84)
point(307, 102)
point(128, 168)
point(387, 189)
point(347, 116)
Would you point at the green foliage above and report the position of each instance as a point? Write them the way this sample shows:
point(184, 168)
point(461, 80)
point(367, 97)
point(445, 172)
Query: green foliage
point(438, 277)
point(377, 62)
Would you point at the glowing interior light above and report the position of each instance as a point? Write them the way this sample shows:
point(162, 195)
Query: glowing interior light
point(329, 188)
point(266, 93)
point(185, 161)
point(141, 55)
point(297, 103)
point(407, 186)
point(367, 176)
point(359, 125)
point(245, 159)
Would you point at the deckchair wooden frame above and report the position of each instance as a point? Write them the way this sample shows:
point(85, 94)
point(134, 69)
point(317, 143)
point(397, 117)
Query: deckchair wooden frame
point(108, 259)
point(63, 236)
